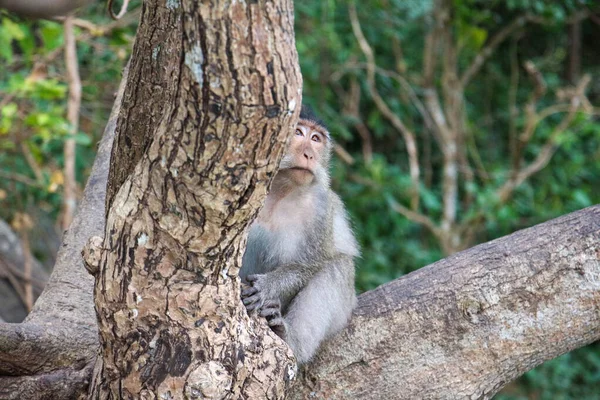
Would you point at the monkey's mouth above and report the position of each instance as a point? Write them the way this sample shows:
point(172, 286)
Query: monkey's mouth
point(301, 169)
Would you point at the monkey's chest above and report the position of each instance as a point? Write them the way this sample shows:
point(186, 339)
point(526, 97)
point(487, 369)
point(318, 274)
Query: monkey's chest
point(280, 235)
point(268, 249)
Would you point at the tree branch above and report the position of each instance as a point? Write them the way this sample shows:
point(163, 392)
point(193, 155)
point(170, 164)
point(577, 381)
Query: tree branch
point(518, 175)
point(503, 34)
point(73, 105)
point(416, 217)
point(407, 134)
point(467, 325)
point(42, 8)
point(489, 49)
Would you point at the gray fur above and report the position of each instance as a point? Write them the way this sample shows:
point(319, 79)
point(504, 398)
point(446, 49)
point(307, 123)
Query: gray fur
point(299, 264)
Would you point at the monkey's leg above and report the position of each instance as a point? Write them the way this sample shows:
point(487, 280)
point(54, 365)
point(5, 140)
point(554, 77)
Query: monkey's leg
point(319, 310)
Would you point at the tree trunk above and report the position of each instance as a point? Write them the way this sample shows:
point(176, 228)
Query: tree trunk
point(464, 327)
point(167, 289)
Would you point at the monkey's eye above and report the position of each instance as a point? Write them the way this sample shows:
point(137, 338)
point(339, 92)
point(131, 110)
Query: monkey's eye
point(299, 132)
point(316, 138)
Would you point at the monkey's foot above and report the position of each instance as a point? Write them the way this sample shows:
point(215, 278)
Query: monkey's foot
point(271, 310)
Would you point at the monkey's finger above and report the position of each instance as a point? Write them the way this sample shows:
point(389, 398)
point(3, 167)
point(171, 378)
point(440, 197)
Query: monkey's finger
point(270, 313)
point(249, 291)
point(277, 325)
point(276, 322)
point(252, 306)
point(250, 299)
point(253, 302)
point(253, 278)
point(273, 303)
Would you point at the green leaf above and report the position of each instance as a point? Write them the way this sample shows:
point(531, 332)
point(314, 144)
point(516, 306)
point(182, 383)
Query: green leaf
point(52, 35)
point(582, 198)
point(12, 29)
point(8, 113)
point(80, 138)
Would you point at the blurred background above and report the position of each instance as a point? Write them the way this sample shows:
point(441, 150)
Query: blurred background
point(456, 121)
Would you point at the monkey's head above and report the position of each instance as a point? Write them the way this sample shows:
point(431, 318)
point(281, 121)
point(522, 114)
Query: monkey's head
point(306, 160)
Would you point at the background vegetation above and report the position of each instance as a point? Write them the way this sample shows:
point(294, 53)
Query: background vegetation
point(456, 122)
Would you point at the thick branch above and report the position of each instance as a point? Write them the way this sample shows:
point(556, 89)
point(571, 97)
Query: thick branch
point(42, 8)
point(467, 325)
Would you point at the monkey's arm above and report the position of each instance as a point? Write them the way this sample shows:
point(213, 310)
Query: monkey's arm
point(286, 281)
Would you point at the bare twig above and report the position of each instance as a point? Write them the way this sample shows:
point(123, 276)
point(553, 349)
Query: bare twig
point(531, 120)
point(503, 34)
point(488, 50)
point(14, 282)
point(409, 214)
point(83, 24)
point(19, 178)
point(69, 199)
point(352, 108)
point(27, 270)
point(93, 30)
point(343, 154)
point(416, 217)
point(121, 13)
point(23, 224)
point(407, 134)
point(429, 56)
point(513, 111)
point(453, 96)
point(37, 170)
point(402, 81)
point(550, 147)
point(7, 267)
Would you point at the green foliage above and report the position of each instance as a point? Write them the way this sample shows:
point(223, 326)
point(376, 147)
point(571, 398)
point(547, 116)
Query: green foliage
point(574, 375)
point(331, 60)
point(33, 102)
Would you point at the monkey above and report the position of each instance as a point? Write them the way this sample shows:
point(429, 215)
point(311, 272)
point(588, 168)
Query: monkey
point(298, 267)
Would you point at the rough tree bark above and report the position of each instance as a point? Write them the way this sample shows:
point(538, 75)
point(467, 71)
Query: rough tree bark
point(214, 118)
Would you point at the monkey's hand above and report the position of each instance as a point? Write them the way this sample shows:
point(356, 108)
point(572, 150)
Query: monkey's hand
point(258, 292)
point(271, 310)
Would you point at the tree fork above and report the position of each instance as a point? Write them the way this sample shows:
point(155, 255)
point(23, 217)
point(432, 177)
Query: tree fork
point(214, 119)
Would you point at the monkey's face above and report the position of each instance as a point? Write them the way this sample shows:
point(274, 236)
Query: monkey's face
point(307, 156)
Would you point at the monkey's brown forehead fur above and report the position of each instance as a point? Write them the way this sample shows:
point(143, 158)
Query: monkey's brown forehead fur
point(313, 126)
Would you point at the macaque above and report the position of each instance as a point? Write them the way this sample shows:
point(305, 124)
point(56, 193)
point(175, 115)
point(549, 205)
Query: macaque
point(299, 261)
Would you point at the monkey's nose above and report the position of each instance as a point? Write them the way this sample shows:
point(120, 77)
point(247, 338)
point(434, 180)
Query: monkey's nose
point(308, 156)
